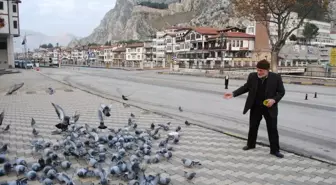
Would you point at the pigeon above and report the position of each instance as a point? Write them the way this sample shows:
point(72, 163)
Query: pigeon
point(124, 97)
point(189, 175)
point(2, 116)
point(6, 128)
point(50, 91)
point(31, 175)
point(187, 123)
point(75, 117)
point(126, 105)
point(33, 122)
point(189, 163)
point(101, 120)
point(180, 109)
point(178, 129)
point(35, 133)
point(61, 114)
point(152, 126)
point(106, 110)
point(14, 88)
point(164, 180)
point(65, 164)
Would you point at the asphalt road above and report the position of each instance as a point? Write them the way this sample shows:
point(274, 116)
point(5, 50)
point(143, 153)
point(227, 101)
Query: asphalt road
point(305, 126)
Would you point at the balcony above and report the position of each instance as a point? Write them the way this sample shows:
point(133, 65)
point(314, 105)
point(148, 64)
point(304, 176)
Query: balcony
point(148, 45)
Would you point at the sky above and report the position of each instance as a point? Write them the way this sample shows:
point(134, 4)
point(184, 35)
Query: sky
point(56, 17)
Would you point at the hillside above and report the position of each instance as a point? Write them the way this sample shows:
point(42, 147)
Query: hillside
point(127, 20)
point(35, 39)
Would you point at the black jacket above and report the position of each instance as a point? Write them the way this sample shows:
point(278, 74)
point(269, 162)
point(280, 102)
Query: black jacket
point(274, 90)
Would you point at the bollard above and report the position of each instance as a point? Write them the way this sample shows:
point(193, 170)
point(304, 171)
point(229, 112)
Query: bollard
point(315, 95)
point(226, 82)
point(306, 97)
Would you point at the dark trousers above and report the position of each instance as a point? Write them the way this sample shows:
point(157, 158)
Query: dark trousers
point(256, 114)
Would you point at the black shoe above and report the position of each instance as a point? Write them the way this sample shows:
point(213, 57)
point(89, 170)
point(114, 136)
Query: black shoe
point(277, 154)
point(248, 148)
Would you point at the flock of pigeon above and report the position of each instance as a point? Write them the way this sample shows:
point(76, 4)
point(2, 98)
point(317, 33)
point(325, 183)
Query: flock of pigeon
point(128, 151)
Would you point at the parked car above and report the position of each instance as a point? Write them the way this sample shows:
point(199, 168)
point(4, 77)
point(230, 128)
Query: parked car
point(28, 65)
point(22, 64)
point(17, 63)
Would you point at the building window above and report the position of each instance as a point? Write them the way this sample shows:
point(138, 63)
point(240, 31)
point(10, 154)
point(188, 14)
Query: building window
point(1, 5)
point(15, 24)
point(138, 50)
point(241, 43)
point(14, 8)
point(198, 36)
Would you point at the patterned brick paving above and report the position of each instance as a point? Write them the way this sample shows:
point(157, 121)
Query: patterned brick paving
point(223, 161)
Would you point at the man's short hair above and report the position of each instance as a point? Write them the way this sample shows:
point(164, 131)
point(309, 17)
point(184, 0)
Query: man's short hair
point(263, 64)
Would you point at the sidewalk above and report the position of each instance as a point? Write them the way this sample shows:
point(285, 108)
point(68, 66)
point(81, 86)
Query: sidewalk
point(223, 161)
point(286, 79)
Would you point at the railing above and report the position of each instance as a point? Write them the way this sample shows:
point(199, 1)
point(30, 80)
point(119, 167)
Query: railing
point(327, 74)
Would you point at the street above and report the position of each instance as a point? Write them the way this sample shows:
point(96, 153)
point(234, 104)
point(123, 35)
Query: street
point(305, 126)
point(221, 156)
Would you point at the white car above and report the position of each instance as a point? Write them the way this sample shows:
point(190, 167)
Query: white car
point(29, 65)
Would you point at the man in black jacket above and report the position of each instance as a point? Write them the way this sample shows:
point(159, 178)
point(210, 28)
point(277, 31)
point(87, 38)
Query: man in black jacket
point(265, 90)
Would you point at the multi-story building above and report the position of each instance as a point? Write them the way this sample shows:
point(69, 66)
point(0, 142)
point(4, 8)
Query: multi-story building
point(9, 28)
point(119, 57)
point(324, 33)
point(214, 48)
point(149, 51)
point(135, 55)
point(108, 55)
point(160, 49)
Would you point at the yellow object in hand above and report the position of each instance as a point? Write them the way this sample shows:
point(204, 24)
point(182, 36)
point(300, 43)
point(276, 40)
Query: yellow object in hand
point(265, 102)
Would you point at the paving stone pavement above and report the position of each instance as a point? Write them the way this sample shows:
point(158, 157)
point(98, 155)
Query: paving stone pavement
point(223, 161)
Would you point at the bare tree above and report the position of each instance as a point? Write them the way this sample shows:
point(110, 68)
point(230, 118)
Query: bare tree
point(279, 18)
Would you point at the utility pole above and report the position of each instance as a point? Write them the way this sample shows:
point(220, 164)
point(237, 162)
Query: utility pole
point(221, 49)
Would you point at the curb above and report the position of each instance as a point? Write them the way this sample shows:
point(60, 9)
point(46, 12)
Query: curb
point(242, 78)
point(194, 122)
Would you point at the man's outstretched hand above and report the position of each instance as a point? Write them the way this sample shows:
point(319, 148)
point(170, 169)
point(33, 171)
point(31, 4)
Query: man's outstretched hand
point(228, 95)
point(270, 102)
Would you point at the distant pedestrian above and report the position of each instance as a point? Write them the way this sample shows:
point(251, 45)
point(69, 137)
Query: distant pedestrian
point(265, 90)
point(226, 81)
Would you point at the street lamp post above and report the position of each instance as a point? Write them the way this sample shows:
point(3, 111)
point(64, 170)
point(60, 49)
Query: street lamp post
point(25, 45)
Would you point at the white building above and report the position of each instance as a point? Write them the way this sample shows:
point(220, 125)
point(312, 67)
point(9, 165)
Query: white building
point(160, 48)
point(9, 28)
point(135, 54)
point(324, 34)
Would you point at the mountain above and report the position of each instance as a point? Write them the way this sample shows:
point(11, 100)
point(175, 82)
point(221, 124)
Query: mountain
point(128, 20)
point(35, 39)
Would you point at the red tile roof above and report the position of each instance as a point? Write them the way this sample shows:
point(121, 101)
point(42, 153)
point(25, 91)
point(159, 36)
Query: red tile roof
point(135, 45)
point(121, 49)
point(206, 30)
point(238, 35)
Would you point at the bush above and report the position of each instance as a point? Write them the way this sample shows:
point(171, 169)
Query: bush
point(154, 5)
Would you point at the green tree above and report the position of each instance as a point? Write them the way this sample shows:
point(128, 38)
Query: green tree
point(310, 31)
point(293, 38)
point(50, 45)
point(92, 44)
point(44, 46)
point(277, 13)
point(108, 43)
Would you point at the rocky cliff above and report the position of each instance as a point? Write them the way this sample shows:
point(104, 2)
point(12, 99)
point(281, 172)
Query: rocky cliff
point(130, 21)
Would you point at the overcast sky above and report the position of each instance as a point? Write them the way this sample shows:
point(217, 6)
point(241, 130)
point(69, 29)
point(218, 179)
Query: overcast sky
point(55, 17)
